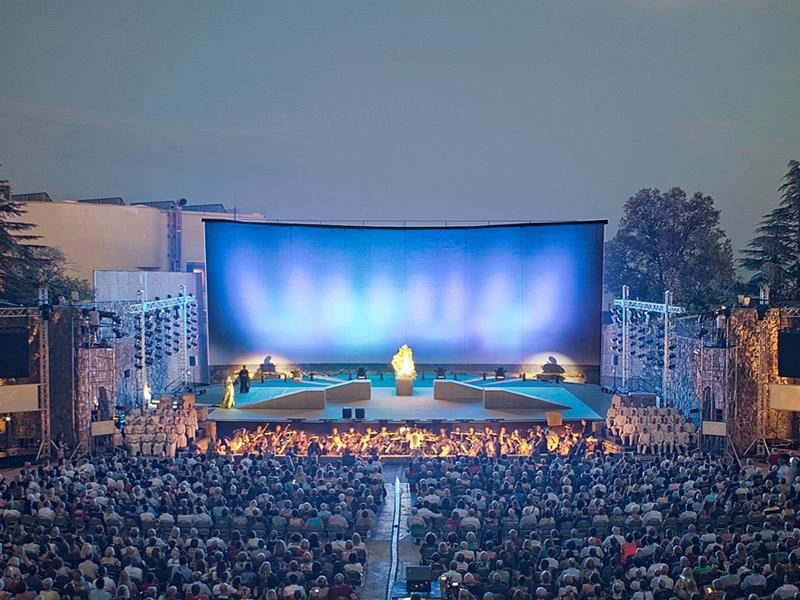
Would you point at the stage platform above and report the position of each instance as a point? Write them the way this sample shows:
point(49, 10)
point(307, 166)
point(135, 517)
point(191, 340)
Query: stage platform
point(579, 401)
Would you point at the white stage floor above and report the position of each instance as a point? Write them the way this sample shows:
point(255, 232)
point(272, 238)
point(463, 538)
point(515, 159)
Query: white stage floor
point(385, 405)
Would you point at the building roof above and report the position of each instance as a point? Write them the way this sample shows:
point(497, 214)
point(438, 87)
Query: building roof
point(162, 204)
point(211, 208)
point(32, 197)
point(114, 200)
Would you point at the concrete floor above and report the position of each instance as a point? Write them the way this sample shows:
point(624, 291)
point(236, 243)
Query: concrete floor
point(378, 550)
point(378, 545)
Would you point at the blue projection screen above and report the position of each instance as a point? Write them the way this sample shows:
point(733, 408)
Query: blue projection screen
point(306, 294)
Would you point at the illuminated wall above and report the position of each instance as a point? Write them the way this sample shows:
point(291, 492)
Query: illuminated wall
point(307, 294)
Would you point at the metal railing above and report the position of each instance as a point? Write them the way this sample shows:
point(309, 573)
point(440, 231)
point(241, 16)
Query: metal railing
point(634, 384)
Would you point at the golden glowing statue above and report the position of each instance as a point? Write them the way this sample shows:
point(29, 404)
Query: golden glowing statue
point(228, 399)
point(404, 371)
point(403, 363)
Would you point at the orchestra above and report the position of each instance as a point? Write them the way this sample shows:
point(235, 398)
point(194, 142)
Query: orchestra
point(407, 441)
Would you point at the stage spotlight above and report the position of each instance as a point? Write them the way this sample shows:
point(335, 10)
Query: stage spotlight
point(499, 373)
point(361, 373)
point(440, 373)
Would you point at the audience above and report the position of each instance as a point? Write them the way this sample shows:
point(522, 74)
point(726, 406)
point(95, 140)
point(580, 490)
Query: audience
point(543, 525)
point(606, 526)
point(193, 527)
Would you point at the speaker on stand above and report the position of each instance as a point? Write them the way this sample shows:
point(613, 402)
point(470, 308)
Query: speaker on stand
point(418, 580)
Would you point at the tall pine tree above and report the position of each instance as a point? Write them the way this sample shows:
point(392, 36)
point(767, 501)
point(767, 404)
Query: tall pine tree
point(15, 243)
point(774, 253)
point(25, 264)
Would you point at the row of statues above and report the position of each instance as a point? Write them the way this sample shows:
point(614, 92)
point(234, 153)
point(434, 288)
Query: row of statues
point(161, 432)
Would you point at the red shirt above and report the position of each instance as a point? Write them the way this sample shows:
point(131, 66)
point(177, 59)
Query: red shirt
point(628, 549)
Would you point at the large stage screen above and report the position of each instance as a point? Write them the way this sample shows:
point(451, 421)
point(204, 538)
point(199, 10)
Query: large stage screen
point(335, 295)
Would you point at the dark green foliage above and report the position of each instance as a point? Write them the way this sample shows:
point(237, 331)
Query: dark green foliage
point(669, 241)
point(773, 255)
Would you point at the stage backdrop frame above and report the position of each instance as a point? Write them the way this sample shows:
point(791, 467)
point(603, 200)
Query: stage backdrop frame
point(327, 295)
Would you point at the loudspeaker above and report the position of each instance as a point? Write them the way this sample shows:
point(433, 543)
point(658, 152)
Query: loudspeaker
point(418, 579)
point(347, 412)
point(360, 413)
point(789, 354)
point(192, 361)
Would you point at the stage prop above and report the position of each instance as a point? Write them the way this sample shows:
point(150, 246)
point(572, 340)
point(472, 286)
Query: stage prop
point(314, 397)
point(404, 371)
point(299, 399)
point(456, 391)
point(349, 391)
point(494, 397)
point(404, 387)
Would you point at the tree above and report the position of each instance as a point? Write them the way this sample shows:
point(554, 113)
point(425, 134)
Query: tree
point(774, 253)
point(46, 266)
point(26, 265)
point(15, 243)
point(668, 241)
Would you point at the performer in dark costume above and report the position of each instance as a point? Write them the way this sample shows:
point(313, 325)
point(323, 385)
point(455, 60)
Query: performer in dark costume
point(244, 380)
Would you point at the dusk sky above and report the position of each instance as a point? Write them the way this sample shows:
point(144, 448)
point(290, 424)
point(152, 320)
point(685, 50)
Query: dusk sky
point(403, 110)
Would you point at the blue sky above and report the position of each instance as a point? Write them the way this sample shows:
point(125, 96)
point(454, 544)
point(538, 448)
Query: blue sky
point(413, 109)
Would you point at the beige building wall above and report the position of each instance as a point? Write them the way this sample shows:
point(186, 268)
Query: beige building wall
point(102, 237)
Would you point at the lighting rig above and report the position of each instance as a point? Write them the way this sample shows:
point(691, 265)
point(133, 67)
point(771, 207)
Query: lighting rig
point(643, 327)
point(164, 327)
point(97, 326)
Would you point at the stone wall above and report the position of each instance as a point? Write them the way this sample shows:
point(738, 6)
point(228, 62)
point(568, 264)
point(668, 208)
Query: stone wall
point(96, 394)
point(723, 366)
point(754, 341)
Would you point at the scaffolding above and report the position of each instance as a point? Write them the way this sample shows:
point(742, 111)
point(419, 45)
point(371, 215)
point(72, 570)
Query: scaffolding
point(39, 316)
